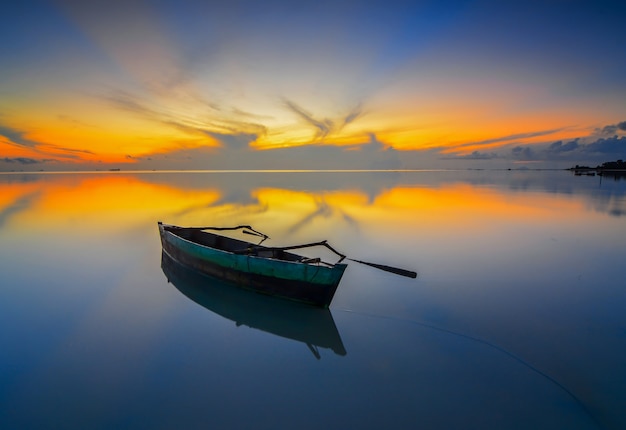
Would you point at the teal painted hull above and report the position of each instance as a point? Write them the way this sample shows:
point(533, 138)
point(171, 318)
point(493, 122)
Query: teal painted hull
point(266, 271)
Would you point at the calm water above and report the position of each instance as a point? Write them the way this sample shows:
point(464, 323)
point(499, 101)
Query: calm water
point(517, 318)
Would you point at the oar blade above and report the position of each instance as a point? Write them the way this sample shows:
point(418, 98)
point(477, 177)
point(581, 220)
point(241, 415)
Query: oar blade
point(396, 270)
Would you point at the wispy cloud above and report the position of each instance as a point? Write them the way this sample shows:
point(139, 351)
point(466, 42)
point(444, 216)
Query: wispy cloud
point(609, 130)
point(325, 126)
point(503, 140)
point(16, 137)
point(353, 115)
point(218, 127)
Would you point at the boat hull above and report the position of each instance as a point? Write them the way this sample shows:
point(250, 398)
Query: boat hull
point(314, 284)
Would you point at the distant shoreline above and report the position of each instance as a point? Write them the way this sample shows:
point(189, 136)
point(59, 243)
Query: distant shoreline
point(120, 171)
point(610, 168)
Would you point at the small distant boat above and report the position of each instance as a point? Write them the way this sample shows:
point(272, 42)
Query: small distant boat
point(268, 270)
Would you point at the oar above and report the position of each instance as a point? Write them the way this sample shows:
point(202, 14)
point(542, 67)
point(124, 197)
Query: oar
point(395, 270)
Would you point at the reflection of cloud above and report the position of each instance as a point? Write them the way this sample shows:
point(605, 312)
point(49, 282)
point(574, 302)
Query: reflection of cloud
point(21, 204)
point(323, 210)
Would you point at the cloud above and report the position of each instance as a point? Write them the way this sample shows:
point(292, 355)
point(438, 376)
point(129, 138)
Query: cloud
point(477, 155)
point(223, 128)
point(596, 151)
point(558, 146)
point(353, 115)
point(525, 153)
point(326, 126)
point(323, 127)
point(609, 130)
point(237, 154)
point(512, 137)
point(235, 141)
point(610, 146)
point(22, 160)
point(16, 137)
point(130, 103)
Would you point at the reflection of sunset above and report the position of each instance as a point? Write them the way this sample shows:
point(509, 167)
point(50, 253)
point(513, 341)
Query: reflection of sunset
point(101, 198)
point(13, 192)
point(470, 200)
point(451, 207)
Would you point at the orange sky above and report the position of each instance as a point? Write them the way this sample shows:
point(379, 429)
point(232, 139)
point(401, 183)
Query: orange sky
point(136, 85)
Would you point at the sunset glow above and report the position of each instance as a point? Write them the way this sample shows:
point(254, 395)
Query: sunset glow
point(196, 85)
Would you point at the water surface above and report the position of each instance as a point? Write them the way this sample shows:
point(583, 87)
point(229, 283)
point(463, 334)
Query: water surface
point(517, 318)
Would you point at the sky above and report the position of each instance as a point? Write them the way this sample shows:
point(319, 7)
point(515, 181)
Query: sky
point(286, 84)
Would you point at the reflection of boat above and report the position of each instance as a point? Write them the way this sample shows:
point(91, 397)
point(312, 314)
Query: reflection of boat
point(271, 271)
point(311, 325)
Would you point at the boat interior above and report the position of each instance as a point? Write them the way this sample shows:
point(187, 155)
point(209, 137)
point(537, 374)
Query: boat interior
point(228, 244)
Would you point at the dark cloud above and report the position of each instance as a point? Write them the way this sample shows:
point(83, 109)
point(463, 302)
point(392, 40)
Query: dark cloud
point(523, 153)
point(596, 151)
point(612, 129)
point(16, 137)
point(610, 146)
point(477, 155)
point(558, 146)
point(22, 160)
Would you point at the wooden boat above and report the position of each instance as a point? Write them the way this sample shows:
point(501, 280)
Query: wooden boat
point(267, 270)
point(313, 326)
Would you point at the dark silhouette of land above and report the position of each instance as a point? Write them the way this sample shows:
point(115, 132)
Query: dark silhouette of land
point(616, 169)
